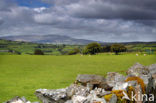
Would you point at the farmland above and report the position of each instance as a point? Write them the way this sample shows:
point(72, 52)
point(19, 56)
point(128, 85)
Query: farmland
point(21, 75)
point(27, 48)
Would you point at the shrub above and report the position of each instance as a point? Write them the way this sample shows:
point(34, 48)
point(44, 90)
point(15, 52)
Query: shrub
point(38, 52)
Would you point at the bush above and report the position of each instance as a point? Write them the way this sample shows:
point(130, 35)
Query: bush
point(38, 52)
point(73, 52)
point(92, 48)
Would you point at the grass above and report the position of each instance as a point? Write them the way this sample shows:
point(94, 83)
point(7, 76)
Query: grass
point(21, 75)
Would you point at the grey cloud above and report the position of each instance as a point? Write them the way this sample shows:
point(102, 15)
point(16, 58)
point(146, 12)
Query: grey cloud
point(104, 20)
point(6, 4)
point(114, 9)
point(1, 21)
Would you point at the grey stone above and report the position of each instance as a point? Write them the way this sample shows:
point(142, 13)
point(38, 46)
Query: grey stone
point(92, 98)
point(120, 86)
point(79, 99)
point(152, 69)
point(137, 70)
point(52, 96)
point(93, 81)
point(113, 78)
point(99, 92)
point(77, 90)
point(140, 71)
point(132, 83)
point(113, 99)
point(18, 100)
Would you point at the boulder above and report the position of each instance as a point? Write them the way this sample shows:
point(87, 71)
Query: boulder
point(18, 100)
point(92, 81)
point(79, 99)
point(77, 90)
point(99, 92)
point(92, 98)
point(140, 71)
point(113, 78)
point(152, 69)
point(52, 96)
point(120, 86)
point(137, 70)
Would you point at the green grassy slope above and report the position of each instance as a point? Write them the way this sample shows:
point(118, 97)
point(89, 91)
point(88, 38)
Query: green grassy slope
point(21, 75)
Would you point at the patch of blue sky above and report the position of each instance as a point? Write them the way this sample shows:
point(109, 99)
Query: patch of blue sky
point(32, 3)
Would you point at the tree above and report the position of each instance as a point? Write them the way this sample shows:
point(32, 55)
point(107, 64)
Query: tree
point(74, 51)
point(118, 48)
point(106, 48)
point(92, 48)
point(38, 52)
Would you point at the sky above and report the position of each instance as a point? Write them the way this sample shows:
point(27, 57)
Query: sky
point(100, 20)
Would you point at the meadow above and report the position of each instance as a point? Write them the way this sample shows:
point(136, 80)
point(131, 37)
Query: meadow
point(21, 75)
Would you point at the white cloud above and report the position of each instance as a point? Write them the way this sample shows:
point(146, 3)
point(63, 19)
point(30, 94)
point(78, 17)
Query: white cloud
point(39, 10)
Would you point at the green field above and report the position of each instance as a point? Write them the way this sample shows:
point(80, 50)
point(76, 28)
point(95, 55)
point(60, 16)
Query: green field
point(21, 75)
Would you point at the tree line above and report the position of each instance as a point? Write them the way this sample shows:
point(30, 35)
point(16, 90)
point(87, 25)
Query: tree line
point(92, 49)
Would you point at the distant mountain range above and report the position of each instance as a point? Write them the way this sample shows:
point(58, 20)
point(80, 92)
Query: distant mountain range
point(59, 39)
point(48, 39)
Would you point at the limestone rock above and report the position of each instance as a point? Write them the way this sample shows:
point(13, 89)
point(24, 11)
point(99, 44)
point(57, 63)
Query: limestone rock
point(92, 81)
point(152, 69)
point(18, 100)
point(140, 71)
point(120, 86)
point(52, 96)
point(77, 90)
point(78, 99)
point(137, 70)
point(92, 98)
point(113, 78)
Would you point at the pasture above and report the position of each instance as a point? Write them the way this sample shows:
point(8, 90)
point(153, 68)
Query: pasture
point(21, 75)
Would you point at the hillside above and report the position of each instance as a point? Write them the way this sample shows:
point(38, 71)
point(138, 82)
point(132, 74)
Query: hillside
point(48, 39)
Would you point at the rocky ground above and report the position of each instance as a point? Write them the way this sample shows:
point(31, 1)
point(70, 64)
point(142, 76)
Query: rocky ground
point(138, 86)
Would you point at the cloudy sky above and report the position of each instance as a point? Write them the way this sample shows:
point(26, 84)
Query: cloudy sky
point(104, 20)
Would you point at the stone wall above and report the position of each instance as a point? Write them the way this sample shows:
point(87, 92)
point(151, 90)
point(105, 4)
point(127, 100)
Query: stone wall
point(138, 86)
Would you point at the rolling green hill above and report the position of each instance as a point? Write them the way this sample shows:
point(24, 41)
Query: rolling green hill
point(19, 47)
